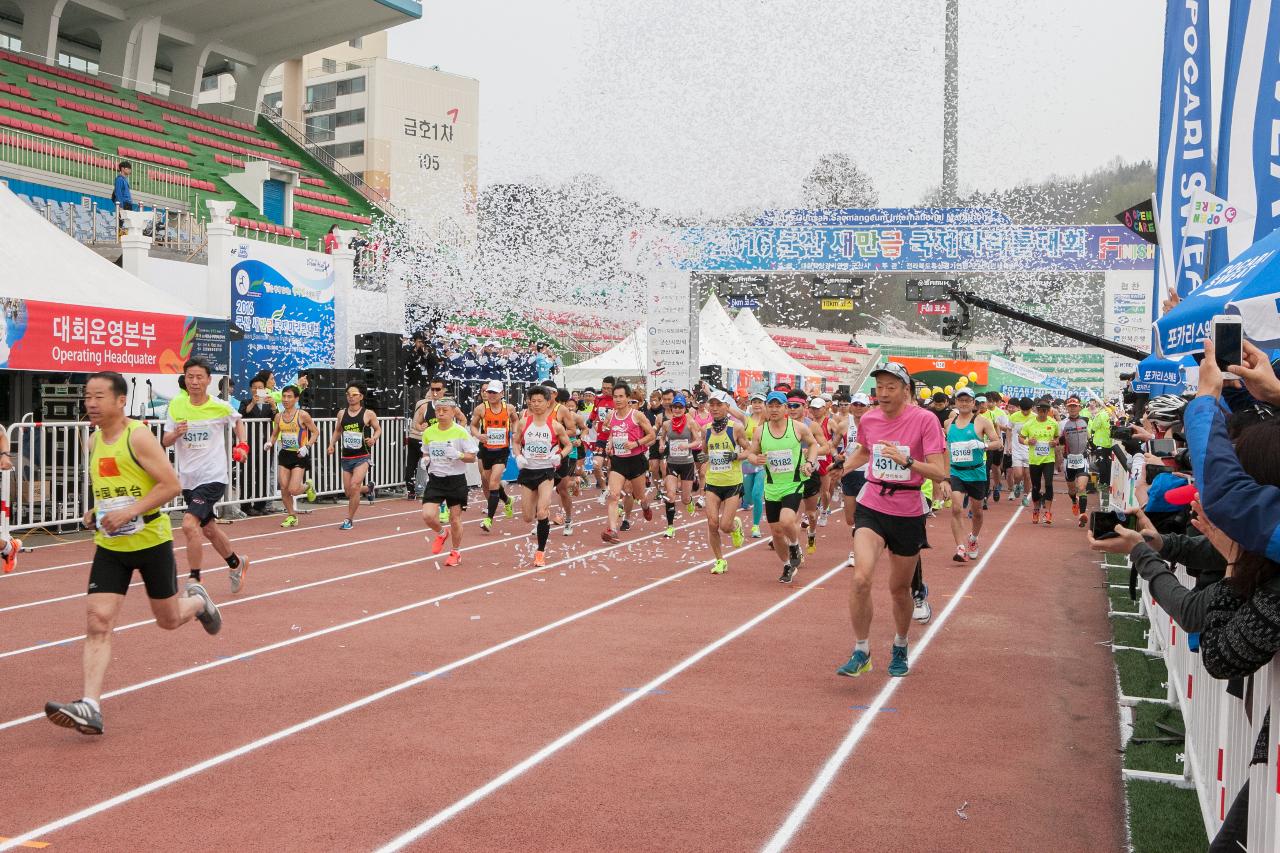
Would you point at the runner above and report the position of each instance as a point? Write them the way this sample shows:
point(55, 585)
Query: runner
point(600, 421)
point(492, 424)
point(678, 439)
point(1019, 473)
point(540, 443)
point(702, 417)
point(820, 425)
point(1100, 421)
point(995, 458)
point(629, 435)
point(196, 428)
point(851, 479)
point(565, 480)
point(724, 479)
point(448, 450)
point(656, 412)
point(753, 474)
point(357, 429)
point(786, 450)
point(9, 546)
point(131, 480)
point(969, 438)
point(424, 415)
point(1040, 436)
point(797, 410)
point(904, 445)
point(293, 433)
point(1074, 430)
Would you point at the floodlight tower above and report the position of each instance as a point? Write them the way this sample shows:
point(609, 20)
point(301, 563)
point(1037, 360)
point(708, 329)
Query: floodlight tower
point(951, 104)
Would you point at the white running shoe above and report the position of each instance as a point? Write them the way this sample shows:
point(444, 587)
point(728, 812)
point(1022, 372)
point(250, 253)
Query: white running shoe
point(603, 498)
point(822, 518)
point(568, 528)
point(972, 551)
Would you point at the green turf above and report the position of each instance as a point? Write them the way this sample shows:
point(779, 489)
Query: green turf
point(1141, 675)
point(1118, 574)
point(1159, 757)
point(1129, 631)
point(1121, 601)
point(1164, 818)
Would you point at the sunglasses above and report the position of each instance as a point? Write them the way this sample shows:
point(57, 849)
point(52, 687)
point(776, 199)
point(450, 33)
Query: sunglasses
point(795, 405)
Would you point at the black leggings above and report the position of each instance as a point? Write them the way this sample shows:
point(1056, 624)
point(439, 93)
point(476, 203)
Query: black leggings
point(413, 455)
point(1042, 481)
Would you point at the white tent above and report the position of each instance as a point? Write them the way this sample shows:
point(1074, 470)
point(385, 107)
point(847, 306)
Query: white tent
point(773, 355)
point(626, 358)
point(42, 263)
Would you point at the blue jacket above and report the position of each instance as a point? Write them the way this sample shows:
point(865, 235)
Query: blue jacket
point(121, 194)
point(1245, 510)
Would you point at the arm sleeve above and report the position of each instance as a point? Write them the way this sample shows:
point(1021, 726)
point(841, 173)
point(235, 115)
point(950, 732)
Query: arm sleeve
point(1239, 637)
point(1194, 552)
point(1186, 606)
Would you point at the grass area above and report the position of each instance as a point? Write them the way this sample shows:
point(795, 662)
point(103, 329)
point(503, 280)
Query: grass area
point(1164, 819)
point(1160, 757)
point(1121, 601)
point(1129, 632)
point(1118, 574)
point(1141, 675)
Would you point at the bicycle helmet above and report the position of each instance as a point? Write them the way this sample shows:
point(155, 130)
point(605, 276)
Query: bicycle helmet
point(1166, 409)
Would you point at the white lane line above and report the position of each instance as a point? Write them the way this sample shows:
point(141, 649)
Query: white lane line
point(833, 764)
point(373, 617)
point(408, 837)
point(255, 561)
point(177, 530)
point(364, 701)
point(287, 589)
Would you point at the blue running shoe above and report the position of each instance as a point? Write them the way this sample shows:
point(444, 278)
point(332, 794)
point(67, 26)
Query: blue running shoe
point(898, 665)
point(346, 524)
point(859, 663)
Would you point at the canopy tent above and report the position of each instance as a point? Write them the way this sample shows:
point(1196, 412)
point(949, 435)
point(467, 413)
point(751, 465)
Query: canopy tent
point(773, 358)
point(42, 263)
point(626, 358)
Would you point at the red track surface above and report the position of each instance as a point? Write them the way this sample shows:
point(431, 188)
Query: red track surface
point(1010, 708)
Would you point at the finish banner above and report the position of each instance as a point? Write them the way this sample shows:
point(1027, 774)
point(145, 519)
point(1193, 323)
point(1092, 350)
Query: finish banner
point(50, 336)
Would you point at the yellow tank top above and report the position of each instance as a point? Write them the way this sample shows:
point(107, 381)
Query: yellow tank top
point(291, 433)
point(723, 466)
point(118, 480)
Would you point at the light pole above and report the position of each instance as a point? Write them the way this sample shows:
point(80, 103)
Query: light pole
point(951, 104)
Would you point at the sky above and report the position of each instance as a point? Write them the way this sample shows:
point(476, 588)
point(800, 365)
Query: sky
point(722, 105)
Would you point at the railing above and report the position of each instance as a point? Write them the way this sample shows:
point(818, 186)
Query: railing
point(87, 164)
point(320, 106)
point(51, 489)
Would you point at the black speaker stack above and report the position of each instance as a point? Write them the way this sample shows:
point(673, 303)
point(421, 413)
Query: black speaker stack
point(380, 357)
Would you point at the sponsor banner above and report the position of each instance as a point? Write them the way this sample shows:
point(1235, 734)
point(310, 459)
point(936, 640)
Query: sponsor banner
point(1015, 368)
point(885, 216)
point(744, 302)
point(282, 311)
point(837, 305)
point(669, 314)
point(975, 370)
point(49, 336)
point(1126, 318)
point(912, 248)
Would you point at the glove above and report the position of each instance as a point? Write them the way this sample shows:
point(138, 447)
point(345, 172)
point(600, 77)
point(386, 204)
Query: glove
point(269, 446)
point(452, 453)
point(240, 452)
point(303, 450)
point(521, 462)
point(556, 459)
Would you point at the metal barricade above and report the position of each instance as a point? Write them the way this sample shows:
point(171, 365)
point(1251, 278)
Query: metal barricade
point(49, 487)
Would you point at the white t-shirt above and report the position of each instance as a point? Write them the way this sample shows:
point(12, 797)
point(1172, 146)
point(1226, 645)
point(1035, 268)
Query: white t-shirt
point(201, 452)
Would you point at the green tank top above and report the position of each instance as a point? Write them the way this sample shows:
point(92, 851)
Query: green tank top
point(782, 462)
point(968, 452)
point(723, 466)
point(119, 480)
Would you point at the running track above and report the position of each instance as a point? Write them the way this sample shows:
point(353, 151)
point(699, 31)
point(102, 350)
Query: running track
point(363, 696)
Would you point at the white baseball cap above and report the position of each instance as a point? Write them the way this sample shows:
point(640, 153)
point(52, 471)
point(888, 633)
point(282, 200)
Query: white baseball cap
point(859, 399)
point(817, 403)
point(964, 392)
point(494, 385)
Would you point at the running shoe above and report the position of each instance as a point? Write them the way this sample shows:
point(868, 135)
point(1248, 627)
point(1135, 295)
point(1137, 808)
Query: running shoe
point(719, 567)
point(78, 715)
point(486, 524)
point(788, 573)
point(453, 559)
point(852, 559)
point(237, 575)
point(210, 618)
point(898, 665)
point(568, 528)
point(437, 545)
point(609, 536)
point(858, 663)
point(539, 559)
point(822, 518)
point(1048, 516)
point(960, 555)
point(922, 611)
point(1035, 516)
point(369, 495)
point(699, 502)
point(670, 532)
point(985, 505)
point(346, 524)
point(625, 525)
point(755, 531)
point(289, 521)
point(972, 551)
point(804, 522)
point(647, 512)
point(796, 556)
point(1017, 491)
point(311, 491)
point(11, 559)
point(1026, 501)
point(735, 535)
point(813, 542)
point(689, 508)
point(602, 499)
point(509, 509)
point(997, 495)
point(1084, 519)
point(444, 514)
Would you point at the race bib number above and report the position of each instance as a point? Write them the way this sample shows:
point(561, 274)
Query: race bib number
point(197, 436)
point(112, 504)
point(885, 468)
point(962, 453)
point(537, 449)
point(620, 445)
point(679, 447)
point(353, 440)
point(1042, 448)
point(1075, 460)
point(721, 461)
point(780, 461)
point(495, 436)
point(436, 450)
point(288, 441)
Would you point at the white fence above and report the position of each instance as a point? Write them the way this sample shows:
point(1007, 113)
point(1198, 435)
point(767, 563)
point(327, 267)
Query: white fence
point(50, 484)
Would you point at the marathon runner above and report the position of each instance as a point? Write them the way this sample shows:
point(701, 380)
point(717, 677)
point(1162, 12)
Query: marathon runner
point(851, 480)
point(599, 419)
point(969, 438)
point(424, 415)
point(702, 417)
point(1040, 436)
point(540, 443)
point(797, 410)
point(995, 457)
point(196, 428)
point(492, 424)
point(904, 445)
point(131, 480)
point(448, 448)
point(356, 431)
point(657, 411)
point(585, 408)
point(1074, 430)
point(9, 546)
point(787, 452)
point(293, 434)
point(753, 474)
point(723, 439)
point(1019, 473)
point(678, 437)
point(1100, 421)
point(566, 476)
point(629, 435)
point(819, 422)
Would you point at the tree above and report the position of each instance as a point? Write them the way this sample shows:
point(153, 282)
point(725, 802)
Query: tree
point(835, 181)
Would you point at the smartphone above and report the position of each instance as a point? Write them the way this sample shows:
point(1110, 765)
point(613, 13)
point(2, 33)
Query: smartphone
point(1228, 339)
point(1102, 523)
point(1163, 447)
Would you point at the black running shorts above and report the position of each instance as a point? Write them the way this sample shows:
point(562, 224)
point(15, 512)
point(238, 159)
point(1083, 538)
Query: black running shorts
point(490, 457)
point(450, 490)
point(112, 571)
point(773, 509)
point(629, 467)
point(725, 493)
point(976, 490)
point(681, 470)
point(903, 535)
point(531, 478)
point(202, 499)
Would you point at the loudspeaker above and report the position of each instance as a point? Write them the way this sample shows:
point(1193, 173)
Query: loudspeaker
point(713, 374)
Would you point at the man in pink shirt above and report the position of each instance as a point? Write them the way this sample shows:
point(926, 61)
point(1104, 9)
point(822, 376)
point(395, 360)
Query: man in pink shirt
point(903, 445)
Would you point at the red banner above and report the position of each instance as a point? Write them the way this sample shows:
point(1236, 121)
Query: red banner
point(925, 309)
point(48, 336)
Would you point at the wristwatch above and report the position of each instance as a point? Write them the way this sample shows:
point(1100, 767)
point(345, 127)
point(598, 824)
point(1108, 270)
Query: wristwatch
point(909, 462)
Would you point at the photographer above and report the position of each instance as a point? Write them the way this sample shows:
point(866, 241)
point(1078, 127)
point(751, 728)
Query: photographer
point(259, 406)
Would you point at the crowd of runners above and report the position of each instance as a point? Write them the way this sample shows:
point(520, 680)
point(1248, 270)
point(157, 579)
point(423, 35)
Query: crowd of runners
point(774, 462)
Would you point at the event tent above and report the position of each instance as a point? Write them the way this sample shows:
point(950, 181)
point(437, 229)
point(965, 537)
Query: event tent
point(772, 357)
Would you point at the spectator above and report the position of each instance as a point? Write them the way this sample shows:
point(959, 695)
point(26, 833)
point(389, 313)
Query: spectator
point(303, 384)
point(259, 406)
point(331, 240)
point(938, 405)
point(121, 193)
point(542, 363)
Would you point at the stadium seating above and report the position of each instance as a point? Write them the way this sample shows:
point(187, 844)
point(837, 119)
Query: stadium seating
point(7, 104)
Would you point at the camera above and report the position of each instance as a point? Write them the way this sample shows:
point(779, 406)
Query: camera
point(1123, 433)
